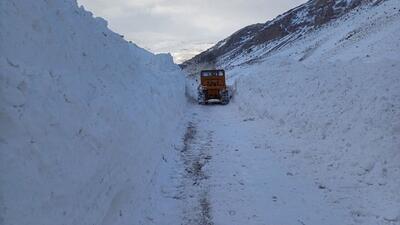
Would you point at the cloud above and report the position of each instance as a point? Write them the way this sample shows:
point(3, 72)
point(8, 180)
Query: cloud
point(183, 27)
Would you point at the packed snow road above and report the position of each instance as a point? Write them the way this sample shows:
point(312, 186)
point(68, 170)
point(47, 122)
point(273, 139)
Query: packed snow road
point(231, 176)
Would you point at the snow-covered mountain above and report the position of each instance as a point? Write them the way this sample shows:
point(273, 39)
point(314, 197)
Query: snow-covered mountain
point(329, 91)
point(87, 120)
point(258, 40)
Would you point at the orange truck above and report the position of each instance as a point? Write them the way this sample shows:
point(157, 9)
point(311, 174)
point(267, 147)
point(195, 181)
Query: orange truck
point(212, 87)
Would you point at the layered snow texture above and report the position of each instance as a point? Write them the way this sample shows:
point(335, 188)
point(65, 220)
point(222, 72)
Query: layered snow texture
point(333, 101)
point(86, 118)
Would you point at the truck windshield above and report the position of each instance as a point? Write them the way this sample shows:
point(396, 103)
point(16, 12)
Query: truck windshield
point(212, 73)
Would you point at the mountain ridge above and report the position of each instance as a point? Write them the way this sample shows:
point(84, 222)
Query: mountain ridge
point(283, 29)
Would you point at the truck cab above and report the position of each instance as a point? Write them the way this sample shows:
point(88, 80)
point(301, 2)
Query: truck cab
point(213, 87)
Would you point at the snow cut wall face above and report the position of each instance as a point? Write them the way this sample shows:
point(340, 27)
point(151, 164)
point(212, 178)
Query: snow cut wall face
point(333, 97)
point(84, 116)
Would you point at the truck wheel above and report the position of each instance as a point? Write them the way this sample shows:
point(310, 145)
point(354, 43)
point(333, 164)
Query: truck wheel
point(224, 97)
point(201, 97)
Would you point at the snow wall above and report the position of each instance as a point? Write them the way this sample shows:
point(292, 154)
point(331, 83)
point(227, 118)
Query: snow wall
point(85, 117)
point(333, 100)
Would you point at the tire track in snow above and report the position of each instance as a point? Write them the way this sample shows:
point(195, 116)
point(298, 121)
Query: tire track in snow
point(194, 156)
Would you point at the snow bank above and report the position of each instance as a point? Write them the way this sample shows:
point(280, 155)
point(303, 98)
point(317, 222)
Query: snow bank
point(85, 117)
point(333, 100)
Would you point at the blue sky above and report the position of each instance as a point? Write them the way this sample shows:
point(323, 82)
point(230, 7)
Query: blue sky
point(183, 27)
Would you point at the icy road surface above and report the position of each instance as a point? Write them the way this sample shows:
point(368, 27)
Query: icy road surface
point(231, 176)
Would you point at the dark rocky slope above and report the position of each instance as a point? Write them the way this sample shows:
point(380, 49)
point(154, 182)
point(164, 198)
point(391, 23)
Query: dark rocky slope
point(275, 33)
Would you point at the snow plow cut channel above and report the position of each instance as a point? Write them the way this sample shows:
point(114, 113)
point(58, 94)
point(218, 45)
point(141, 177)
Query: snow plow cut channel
point(213, 87)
